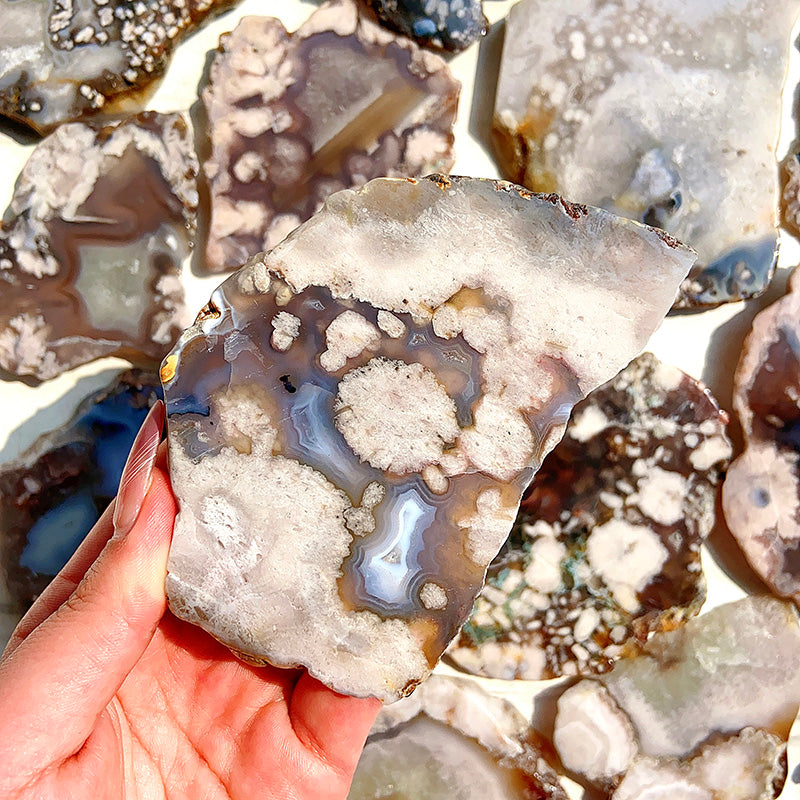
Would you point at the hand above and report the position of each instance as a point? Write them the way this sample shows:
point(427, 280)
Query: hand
point(103, 694)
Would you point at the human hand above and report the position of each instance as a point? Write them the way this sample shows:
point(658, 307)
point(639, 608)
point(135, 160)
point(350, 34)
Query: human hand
point(103, 694)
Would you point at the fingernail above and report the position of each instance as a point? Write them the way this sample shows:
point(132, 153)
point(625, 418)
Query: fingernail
point(135, 478)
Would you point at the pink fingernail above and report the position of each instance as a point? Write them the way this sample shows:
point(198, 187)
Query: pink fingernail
point(135, 478)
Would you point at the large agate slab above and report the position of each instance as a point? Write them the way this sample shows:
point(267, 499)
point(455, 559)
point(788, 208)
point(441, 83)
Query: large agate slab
point(62, 60)
point(761, 494)
point(606, 545)
point(52, 495)
point(295, 117)
point(655, 111)
point(92, 245)
point(702, 714)
point(354, 416)
point(452, 739)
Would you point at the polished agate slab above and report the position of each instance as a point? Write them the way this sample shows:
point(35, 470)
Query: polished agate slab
point(53, 493)
point(446, 24)
point(606, 545)
point(61, 61)
point(653, 110)
point(293, 118)
point(761, 494)
point(702, 713)
point(92, 245)
point(452, 739)
point(354, 416)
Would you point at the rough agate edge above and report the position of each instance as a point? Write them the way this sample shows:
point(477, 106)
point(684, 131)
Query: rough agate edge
point(92, 245)
point(52, 495)
point(606, 545)
point(448, 24)
point(604, 106)
point(486, 307)
point(761, 493)
point(61, 61)
point(453, 739)
point(703, 712)
point(329, 107)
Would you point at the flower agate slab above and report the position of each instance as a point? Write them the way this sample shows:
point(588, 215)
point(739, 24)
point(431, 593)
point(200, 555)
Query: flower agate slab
point(52, 495)
point(354, 416)
point(606, 545)
point(653, 110)
point(452, 739)
point(703, 713)
point(447, 24)
point(92, 246)
point(61, 60)
point(761, 493)
point(295, 117)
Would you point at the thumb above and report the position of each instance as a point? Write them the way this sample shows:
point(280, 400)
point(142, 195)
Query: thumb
point(60, 678)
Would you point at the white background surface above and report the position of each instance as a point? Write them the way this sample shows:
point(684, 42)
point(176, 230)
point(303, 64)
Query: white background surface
point(705, 345)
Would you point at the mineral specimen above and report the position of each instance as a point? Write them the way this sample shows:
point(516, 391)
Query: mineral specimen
point(61, 60)
point(761, 493)
point(294, 118)
point(653, 110)
point(606, 546)
point(452, 739)
point(446, 24)
point(354, 416)
point(54, 492)
point(92, 245)
point(702, 714)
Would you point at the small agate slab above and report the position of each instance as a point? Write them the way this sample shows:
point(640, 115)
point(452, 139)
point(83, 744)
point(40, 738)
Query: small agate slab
point(761, 493)
point(653, 110)
point(606, 545)
point(446, 24)
point(61, 61)
point(52, 494)
point(354, 416)
point(704, 711)
point(293, 118)
point(92, 245)
point(452, 739)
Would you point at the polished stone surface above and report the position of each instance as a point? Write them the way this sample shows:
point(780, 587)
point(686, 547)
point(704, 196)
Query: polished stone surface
point(606, 545)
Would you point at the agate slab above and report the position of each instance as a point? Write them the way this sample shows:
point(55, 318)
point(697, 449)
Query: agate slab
point(446, 24)
point(52, 495)
point(353, 417)
point(295, 117)
point(653, 110)
point(761, 493)
point(702, 713)
point(606, 545)
point(92, 245)
point(452, 739)
point(61, 60)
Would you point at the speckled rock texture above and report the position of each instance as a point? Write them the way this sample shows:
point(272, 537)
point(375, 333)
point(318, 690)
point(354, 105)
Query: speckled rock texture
point(703, 713)
point(606, 545)
point(354, 416)
point(62, 60)
point(293, 118)
point(761, 494)
point(653, 110)
point(92, 245)
point(452, 739)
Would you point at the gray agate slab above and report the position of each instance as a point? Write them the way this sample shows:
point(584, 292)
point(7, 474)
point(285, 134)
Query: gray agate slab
point(354, 415)
point(62, 60)
point(451, 739)
point(702, 714)
point(92, 245)
point(293, 118)
point(606, 545)
point(655, 111)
